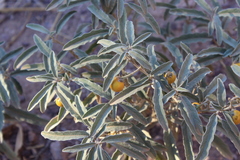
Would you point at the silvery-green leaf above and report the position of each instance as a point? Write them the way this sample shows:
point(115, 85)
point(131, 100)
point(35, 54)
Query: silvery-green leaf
point(24, 56)
point(100, 119)
point(152, 22)
point(71, 5)
point(175, 52)
point(114, 61)
point(138, 146)
point(218, 28)
point(141, 38)
point(8, 152)
point(117, 138)
point(1, 43)
point(169, 141)
point(113, 73)
point(187, 141)
point(162, 68)
point(140, 59)
point(134, 113)
point(126, 93)
point(191, 96)
point(129, 32)
point(64, 20)
point(236, 69)
point(196, 77)
point(211, 51)
point(69, 69)
point(158, 105)
point(230, 134)
point(221, 93)
point(234, 89)
point(64, 135)
point(120, 8)
point(52, 63)
point(229, 40)
point(100, 15)
point(188, 12)
point(54, 122)
point(118, 126)
point(121, 27)
point(78, 147)
point(53, 4)
point(4, 92)
point(1, 116)
point(17, 85)
point(93, 111)
point(204, 5)
point(222, 147)
point(35, 66)
point(81, 108)
point(191, 38)
point(117, 48)
point(231, 124)
point(27, 72)
point(167, 96)
point(41, 78)
point(129, 151)
point(85, 38)
point(185, 48)
point(135, 7)
point(230, 12)
point(213, 85)
point(42, 45)
point(10, 55)
point(185, 69)
point(91, 60)
point(66, 91)
point(93, 87)
point(36, 99)
point(144, 5)
point(165, 5)
point(92, 75)
point(38, 27)
point(193, 115)
point(152, 57)
point(13, 93)
point(25, 116)
point(207, 138)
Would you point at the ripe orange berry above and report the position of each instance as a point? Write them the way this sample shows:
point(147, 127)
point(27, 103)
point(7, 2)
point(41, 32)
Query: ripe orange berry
point(236, 117)
point(58, 102)
point(237, 64)
point(170, 77)
point(116, 85)
point(195, 103)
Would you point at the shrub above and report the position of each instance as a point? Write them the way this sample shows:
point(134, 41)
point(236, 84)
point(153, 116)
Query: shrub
point(126, 41)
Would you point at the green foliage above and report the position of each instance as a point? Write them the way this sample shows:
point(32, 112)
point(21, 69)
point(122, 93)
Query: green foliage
point(126, 41)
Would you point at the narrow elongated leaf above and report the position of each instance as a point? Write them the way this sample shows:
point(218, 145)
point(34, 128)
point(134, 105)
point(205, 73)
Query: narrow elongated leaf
point(100, 15)
point(36, 99)
point(64, 20)
point(204, 5)
point(8, 152)
point(117, 138)
point(24, 56)
point(172, 152)
point(222, 147)
point(175, 52)
point(126, 93)
point(185, 69)
point(10, 55)
point(167, 96)
point(120, 8)
point(213, 85)
point(100, 119)
point(229, 40)
point(52, 62)
point(93, 111)
point(211, 51)
point(187, 141)
point(64, 135)
point(78, 147)
point(141, 38)
point(85, 38)
point(134, 113)
point(152, 22)
point(66, 91)
point(234, 89)
point(230, 12)
point(140, 59)
point(191, 38)
point(93, 87)
point(111, 65)
point(162, 68)
point(231, 124)
point(69, 69)
point(4, 93)
point(207, 138)
point(188, 12)
point(38, 27)
point(118, 126)
point(196, 77)
point(13, 94)
point(53, 4)
point(185, 48)
point(221, 93)
point(129, 151)
point(117, 48)
point(158, 105)
point(71, 5)
point(129, 28)
point(236, 69)
point(193, 115)
point(138, 146)
point(165, 5)
point(41, 45)
point(54, 122)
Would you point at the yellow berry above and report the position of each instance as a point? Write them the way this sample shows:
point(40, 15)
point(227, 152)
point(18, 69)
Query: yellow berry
point(236, 117)
point(170, 77)
point(58, 102)
point(195, 103)
point(116, 85)
point(237, 64)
